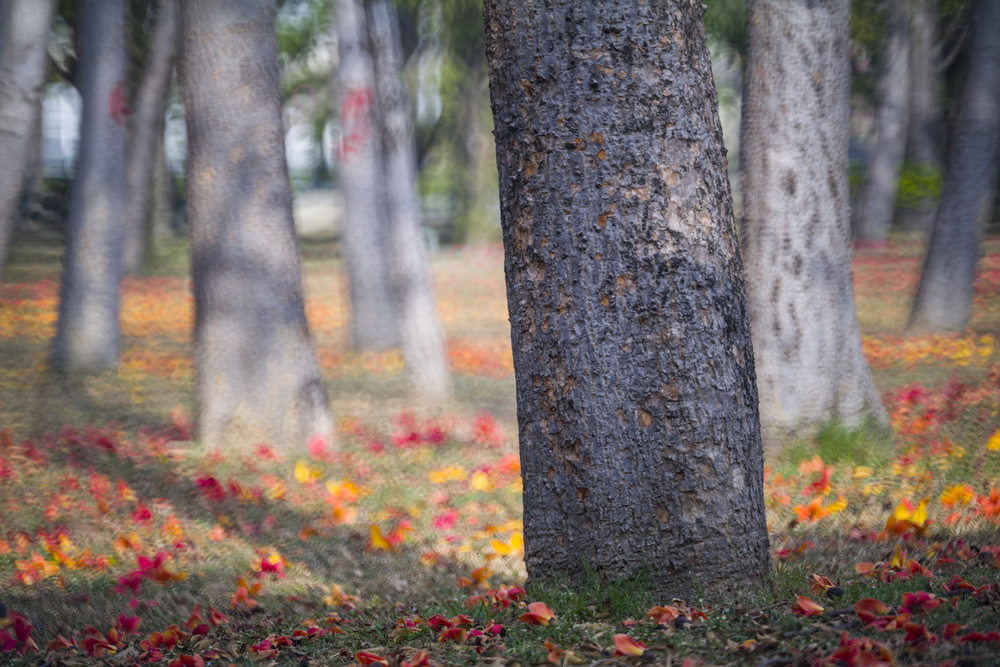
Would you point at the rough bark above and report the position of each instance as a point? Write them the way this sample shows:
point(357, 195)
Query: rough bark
point(256, 375)
point(925, 130)
point(24, 31)
point(420, 334)
point(796, 222)
point(146, 122)
point(88, 332)
point(374, 319)
point(878, 200)
point(639, 435)
point(944, 296)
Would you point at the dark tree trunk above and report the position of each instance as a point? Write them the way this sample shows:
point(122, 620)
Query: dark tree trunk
point(944, 297)
point(24, 33)
point(374, 317)
point(638, 426)
point(256, 372)
point(878, 200)
point(796, 221)
point(147, 122)
point(88, 332)
point(420, 334)
point(925, 131)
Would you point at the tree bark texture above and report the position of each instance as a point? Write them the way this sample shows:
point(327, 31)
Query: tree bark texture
point(88, 332)
point(638, 426)
point(256, 371)
point(878, 199)
point(147, 121)
point(796, 221)
point(421, 335)
point(925, 130)
point(374, 318)
point(24, 32)
point(944, 296)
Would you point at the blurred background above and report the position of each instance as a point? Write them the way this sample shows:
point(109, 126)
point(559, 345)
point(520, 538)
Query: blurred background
point(444, 68)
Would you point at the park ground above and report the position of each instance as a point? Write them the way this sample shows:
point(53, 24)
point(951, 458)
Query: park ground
point(123, 540)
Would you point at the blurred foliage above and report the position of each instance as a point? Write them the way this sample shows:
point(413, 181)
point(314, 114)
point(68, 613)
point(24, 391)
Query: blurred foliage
point(726, 22)
point(918, 183)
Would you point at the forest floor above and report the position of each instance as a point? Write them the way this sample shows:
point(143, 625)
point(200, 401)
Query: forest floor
point(123, 540)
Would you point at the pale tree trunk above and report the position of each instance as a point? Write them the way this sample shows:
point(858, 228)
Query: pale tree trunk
point(944, 296)
point(640, 442)
point(147, 122)
point(878, 200)
point(162, 193)
point(374, 317)
point(796, 222)
point(24, 33)
point(925, 135)
point(88, 332)
point(256, 375)
point(421, 336)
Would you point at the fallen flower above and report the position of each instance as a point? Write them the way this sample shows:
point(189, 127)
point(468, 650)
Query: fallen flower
point(806, 607)
point(538, 614)
point(625, 645)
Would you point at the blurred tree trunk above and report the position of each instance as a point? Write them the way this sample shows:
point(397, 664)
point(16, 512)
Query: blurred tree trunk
point(639, 435)
point(478, 160)
point(878, 199)
point(24, 35)
point(162, 192)
point(391, 299)
point(944, 296)
point(374, 316)
point(421, 336)
point(796, 236)
point(256, 375)
point(145, 132)
point(925, 131)
point(88, 332)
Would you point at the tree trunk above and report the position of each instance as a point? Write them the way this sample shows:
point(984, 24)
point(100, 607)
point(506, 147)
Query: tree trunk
point(162, 193)
point(374, 318)
point(256, 371)
point(88, 332)
point(925, 132)
point(878, 200)
point(24, 36)
point(421, 336)
point(147, 120)
point(796, 222)
point(944, 296)
point(639, 434)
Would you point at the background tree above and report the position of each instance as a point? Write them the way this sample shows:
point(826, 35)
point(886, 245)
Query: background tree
point(793, 162)
point(636, 403)
point(382, 232)
point(944, 296)
point(925, 130)
point(878, 199)
point(374, 318)
point(256, 371)
point(146, 126)
point(24, 30)
point(420, 334)
point(88, 332)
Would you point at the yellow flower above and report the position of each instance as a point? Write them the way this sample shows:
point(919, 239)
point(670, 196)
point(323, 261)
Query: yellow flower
point(861, 472)
point(993, 444)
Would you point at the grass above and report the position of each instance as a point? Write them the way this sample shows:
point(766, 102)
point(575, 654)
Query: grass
point(109, 511)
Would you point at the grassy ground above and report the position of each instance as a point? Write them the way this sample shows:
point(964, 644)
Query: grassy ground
point(406, 537)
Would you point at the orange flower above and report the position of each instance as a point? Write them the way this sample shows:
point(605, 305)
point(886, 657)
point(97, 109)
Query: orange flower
point(805, 607)
point(625, 645)
point(538, 614)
